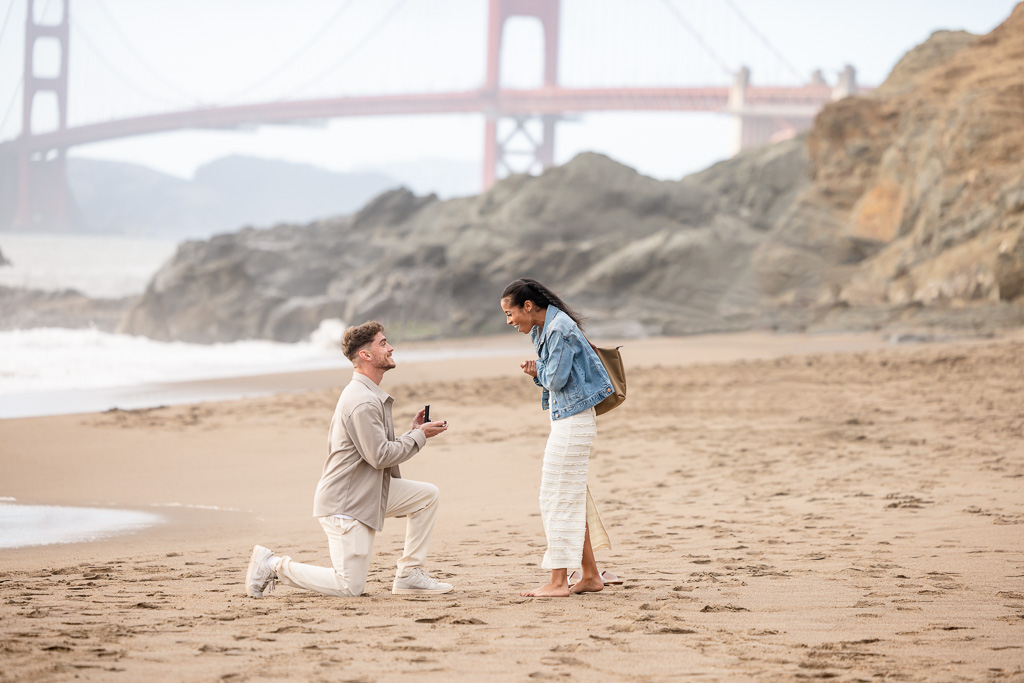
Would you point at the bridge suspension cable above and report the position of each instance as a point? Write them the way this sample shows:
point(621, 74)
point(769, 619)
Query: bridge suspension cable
point(384, 21)
point(764, 39)
point(10, 104)
point(190, 96)
point(698, 38)
point(7, 17)
point(307, 46)
point(84, 35)
point(21, 79)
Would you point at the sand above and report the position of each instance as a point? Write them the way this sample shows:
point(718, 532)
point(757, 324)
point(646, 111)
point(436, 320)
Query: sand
point(777, 513)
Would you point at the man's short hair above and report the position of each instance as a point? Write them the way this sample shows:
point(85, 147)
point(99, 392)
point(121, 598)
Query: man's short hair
point(359, 336)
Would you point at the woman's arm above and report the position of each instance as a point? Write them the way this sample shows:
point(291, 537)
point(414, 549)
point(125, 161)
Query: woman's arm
point(553, 373)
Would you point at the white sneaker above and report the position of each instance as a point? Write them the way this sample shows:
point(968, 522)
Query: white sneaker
point(259, 578)
point(416, 582)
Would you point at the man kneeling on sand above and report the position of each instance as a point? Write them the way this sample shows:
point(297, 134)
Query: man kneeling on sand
point(361, 485)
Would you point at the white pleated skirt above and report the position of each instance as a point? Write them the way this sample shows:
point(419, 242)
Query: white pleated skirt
point(566, 506)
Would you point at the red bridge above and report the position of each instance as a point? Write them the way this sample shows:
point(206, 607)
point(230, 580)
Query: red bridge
point(38, 160)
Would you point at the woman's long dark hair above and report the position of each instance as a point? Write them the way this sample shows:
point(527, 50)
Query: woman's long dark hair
point(527, 289)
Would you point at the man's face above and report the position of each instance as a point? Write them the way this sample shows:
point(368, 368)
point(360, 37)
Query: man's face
point(380, 353)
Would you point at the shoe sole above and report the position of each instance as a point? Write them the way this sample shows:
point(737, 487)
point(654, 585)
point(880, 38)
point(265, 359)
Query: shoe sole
point(420, 591)
point(248, 576)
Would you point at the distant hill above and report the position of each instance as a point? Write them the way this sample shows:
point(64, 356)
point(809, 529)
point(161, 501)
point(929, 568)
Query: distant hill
point(224, 195)
point(446, 178)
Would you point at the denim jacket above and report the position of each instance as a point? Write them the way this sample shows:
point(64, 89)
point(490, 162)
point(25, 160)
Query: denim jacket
point(568, 369)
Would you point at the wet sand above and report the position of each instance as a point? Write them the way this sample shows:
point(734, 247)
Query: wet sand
point(777, 512)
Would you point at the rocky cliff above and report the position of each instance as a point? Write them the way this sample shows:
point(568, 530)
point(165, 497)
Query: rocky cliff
point(933, 174)
point(904, 204)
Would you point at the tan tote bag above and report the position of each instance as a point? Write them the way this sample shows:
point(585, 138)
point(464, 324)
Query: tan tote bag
point(612, 361)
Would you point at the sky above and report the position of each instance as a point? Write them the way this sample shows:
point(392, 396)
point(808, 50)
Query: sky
point(131, 58)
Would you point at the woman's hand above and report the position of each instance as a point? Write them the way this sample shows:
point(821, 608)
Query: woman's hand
point(529, 367)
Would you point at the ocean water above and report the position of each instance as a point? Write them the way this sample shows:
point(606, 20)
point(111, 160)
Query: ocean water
point(100, 266)
point(54, 372)
point(43, 360)
point(51, 359)
point(28, 525)
point(50, 371)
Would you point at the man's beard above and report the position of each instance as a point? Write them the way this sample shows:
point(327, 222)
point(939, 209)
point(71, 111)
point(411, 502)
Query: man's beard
point(384, 363)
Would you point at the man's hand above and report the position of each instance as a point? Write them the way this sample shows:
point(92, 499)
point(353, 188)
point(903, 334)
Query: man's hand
point(418, 420)
point(431, 428)
point(529, 367)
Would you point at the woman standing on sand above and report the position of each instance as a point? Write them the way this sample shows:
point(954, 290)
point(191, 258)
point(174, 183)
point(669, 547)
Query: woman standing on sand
point(574, 381)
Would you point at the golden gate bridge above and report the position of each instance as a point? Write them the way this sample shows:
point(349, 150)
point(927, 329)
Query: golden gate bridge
point(33, 164)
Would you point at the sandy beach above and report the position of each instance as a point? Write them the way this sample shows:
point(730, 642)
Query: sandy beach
point(780, 508)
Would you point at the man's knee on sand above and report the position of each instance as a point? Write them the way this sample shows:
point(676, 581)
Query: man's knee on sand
point(356, 587)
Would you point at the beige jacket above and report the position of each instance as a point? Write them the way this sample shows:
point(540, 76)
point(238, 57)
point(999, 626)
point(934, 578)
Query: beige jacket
point(363, 454)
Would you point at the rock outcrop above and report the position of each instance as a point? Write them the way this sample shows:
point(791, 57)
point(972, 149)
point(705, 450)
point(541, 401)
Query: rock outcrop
point(937, 50)
point(907, 203)
point(641, 255)
point(934, 175)
point(22, 309)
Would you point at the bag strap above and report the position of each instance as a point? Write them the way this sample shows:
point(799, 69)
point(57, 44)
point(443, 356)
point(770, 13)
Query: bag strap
point(594, 346)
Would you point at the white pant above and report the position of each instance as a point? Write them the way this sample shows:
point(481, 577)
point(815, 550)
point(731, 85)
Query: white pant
point(351, 543)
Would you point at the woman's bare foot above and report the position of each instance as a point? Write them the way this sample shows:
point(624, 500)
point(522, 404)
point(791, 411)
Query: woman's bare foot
point(588, 584)
point(549, 590)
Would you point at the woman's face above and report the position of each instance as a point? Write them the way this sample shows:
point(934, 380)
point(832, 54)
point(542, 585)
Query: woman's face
point(517, 316)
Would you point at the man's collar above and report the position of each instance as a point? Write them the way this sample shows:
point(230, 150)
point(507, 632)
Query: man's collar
point(374, 387)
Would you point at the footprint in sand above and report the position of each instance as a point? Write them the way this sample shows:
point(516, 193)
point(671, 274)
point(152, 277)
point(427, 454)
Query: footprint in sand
point(723, 608)
point(563, 661)
point(431, 620)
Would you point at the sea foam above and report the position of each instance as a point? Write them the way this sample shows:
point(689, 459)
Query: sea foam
point(52, 359)
point(27, 525)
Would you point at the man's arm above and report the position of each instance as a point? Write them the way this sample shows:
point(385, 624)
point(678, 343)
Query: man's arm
point(366, 426)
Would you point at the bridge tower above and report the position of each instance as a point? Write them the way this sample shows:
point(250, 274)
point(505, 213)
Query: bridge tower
point(497, 151)
point(758, 125)
point(42, 198)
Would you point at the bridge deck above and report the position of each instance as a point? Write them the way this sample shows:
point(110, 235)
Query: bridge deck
point(769, 101)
